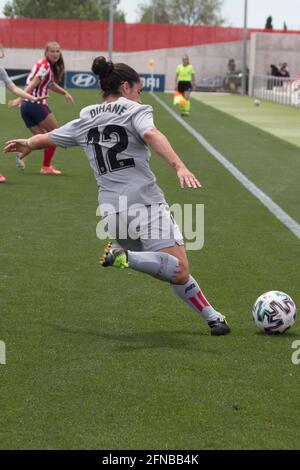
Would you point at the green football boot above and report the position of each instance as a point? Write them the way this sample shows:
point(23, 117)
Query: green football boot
point(114, 256)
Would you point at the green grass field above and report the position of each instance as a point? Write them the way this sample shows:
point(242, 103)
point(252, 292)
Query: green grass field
point(102, 359)
point(279, 120)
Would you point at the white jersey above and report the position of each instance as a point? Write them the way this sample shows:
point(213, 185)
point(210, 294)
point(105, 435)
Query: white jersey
point(111, 134)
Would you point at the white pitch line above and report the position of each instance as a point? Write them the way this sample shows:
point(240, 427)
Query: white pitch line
point(279, 213)
point(17, 77)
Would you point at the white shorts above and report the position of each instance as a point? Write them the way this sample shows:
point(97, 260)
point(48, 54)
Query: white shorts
point(150, 229)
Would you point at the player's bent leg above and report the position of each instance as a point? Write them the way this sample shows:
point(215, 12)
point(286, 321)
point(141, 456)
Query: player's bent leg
point(146, 253)
point(167, 263)
point(170, 265)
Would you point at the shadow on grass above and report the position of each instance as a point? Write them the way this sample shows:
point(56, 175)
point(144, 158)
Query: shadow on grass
point(177, 339)
point(286, 334)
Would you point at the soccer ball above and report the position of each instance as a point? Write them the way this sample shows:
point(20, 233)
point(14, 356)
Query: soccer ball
point(256, 103)
point(274, 312)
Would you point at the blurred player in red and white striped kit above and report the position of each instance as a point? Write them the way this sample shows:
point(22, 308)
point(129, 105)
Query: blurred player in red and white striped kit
point(38, 117)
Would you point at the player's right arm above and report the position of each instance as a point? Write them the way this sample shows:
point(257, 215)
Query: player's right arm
point(25, 146)
point(65, 136)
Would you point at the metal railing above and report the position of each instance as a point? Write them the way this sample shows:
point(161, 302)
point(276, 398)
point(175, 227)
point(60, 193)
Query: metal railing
point(231, 83)
point(210, 83)
point(277, 89)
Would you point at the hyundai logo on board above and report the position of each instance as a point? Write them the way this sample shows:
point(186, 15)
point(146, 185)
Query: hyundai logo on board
point(83, 80)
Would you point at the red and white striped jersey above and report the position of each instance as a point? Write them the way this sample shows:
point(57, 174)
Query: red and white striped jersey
point(42, 69)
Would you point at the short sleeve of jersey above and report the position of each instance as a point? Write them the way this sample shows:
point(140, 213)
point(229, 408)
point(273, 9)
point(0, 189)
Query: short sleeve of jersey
point(143, 120)
point(43, 69)
point(66, 136)
point(192, 70)
point(4, 77)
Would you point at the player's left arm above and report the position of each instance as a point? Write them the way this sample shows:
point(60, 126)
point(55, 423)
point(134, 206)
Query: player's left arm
point(159, 142)
point(58, 89)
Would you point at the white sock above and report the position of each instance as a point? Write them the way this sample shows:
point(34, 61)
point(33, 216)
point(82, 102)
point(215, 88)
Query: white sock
point(158, 264)
point(193, 296)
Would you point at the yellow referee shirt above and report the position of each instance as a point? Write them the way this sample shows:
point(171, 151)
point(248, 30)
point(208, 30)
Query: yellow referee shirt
point(184, 72)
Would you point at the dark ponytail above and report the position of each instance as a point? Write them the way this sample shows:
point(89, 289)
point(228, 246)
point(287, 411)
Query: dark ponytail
point(111, 76)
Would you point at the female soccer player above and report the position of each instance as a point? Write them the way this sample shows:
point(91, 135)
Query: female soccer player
point(185, 83)
point(4, 78)
point(46, 74)
point(114, 137)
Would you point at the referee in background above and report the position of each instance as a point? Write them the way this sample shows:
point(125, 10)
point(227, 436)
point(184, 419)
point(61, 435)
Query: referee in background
point(185, 83)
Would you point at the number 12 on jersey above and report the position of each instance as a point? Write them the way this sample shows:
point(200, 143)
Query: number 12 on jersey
point(109, 161)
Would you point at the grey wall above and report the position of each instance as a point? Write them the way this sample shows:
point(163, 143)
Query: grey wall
point(207, 60)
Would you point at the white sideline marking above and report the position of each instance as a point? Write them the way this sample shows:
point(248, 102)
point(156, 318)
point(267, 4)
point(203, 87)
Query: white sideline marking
point(17, 77)
point(279, 213)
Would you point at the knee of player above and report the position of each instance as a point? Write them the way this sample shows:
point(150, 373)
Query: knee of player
point(182, 274)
